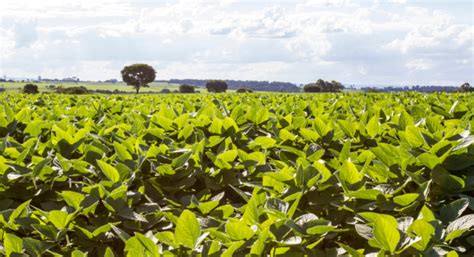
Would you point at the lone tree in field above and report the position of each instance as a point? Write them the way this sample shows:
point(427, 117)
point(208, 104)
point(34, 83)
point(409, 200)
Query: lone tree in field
point(185, 88)
point(466, 87)
point(138, 75)
point(30, 89)
point(216, 86)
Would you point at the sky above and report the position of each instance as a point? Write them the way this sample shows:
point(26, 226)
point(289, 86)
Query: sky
point(357, 42)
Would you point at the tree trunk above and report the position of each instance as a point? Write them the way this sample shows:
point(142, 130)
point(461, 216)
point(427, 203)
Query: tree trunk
point(138, 89)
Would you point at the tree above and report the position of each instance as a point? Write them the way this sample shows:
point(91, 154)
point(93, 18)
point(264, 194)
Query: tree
point(185, 88)
point(216, 86)
point(311, 88)
point(138, 75)
point(30, 89)
point(336, 86)
point(324, 86)
point(466, 87)
point(244, 90)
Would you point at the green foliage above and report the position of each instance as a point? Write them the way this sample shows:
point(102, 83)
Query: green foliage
point(244, 90)
point(138, 75)
point(237, 174)
point(185, 88)
point(81, 90)
point(323, 86)
point(30, 89)
point(216, 86)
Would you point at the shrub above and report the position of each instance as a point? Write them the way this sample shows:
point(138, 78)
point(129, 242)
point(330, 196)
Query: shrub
point(165, 91)
point(244, 90)
point(216, 86)
point(73, 90)
point(30, 89)
point(185, 88)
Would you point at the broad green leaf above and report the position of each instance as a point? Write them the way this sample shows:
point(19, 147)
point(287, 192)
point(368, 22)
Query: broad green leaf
point(35, 247)
point(182, 159)
point(109, 171)
point(318, 230)
point(73, 199)
point(349, 173)
point(405, 199)
point(20, 211)
point(12, 244)
point(122, 152)
point(109, 252)
point(424, 230)
point(453, 210)
point(59, 219)
point(263, 142)
point(187, 229)
point(384, 230)
point(238, 230)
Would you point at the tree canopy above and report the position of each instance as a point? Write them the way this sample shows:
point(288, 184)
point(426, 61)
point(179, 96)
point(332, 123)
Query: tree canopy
point(323, 86)
point(216, 86)
point(138, 75)
point(466, 87)
point(30, 89)
point(185, 88)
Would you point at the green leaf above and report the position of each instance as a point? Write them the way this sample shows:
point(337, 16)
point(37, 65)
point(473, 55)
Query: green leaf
point(353, 252)
point(151, 248)
point(259, 246)
point(459, 226)
point(349, 173)
point(35, 247)
point(453, 210)
point(109, 252)
point(181, 160)
point(429, 160)
point(384, 230)
point(424, 230)
point(109, 171)
point(405, 199)
point(373, 127)
point(78, 253)
point(187, 229)
point(251, 213)
point(238, 230)
point(263, 142)
point(20, 211)
point(12, 244)
point(73, 199)
point(122, 151)
point(367, 194)
point(318, 230)
point(309, 135)
point(59, 219)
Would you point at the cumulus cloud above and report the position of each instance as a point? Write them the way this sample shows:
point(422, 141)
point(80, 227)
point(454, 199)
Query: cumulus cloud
point(419, 64)
point(298, 41)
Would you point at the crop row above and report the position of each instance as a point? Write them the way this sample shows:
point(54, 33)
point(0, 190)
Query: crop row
point(233, 175)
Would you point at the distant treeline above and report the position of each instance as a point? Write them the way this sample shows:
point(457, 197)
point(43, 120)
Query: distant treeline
point(249, 84)
point(412, 88)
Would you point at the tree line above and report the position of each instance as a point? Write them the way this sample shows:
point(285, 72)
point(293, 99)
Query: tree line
point(140, 75)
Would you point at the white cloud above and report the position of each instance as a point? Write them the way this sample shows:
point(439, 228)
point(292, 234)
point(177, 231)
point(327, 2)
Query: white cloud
point(419, 64)
point(398, 1)
point(298, 41)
